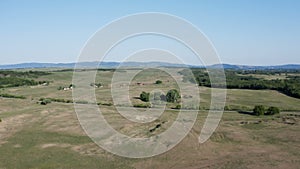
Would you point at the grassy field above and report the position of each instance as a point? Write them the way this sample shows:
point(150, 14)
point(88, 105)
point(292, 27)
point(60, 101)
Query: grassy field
point(50, 136)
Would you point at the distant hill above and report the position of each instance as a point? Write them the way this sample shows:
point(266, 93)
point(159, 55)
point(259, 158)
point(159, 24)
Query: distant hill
point(58, 65)
point(91, 65)
point(245, 67)
point(141, 64)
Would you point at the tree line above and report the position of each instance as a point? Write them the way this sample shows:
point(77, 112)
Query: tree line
point(16, 78)
point(244, 80)
point(24, 74)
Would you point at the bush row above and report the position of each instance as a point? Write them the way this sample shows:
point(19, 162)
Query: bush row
point(12, 96)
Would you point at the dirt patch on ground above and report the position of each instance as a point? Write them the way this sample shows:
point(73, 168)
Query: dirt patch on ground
point(11, 125)
point(229, 147)
point(49, 145)
point(89, 149)
point(63, 121)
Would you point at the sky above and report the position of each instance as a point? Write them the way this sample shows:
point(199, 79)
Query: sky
point(247, 32)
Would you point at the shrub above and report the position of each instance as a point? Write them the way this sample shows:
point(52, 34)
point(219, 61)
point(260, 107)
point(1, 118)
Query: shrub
point(44, 101)
point(46, 83)
point(145, 96)
point(172, 96)
point(82, 102)
point(71, 86)
point(178, 106)
point(96, 85)
point(68, 101)
point(105, 104)
point(227, 108)
point(259, 110)
point(12, 96)
point(272, 111)
point(158, 82)
point(146, 105)
point(0, 120)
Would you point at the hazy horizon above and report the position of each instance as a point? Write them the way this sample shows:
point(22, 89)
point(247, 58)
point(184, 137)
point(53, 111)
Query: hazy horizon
point(143, 62)
point(242, 32)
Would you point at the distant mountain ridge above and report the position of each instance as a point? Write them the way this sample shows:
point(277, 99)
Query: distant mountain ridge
point(141, 64)
point(246, 67)
point(91, 65)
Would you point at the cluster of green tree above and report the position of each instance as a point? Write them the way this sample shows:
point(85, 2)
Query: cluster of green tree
point(26, 74)
point(172, 96)
point(12, 96)
point(261, 110)
point(16, 78)
point(290, 86)
point(238, 80)
point(15, 82)
point(268, 72)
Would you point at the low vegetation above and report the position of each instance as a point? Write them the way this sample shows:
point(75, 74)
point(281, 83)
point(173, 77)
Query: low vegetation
point(142, 105)
point(272, 111)
point(57, 100)
point(12, 96)
point(44, 101)
point(97, 85)
point(178, 106)
point(71, 86)
point(261, 110)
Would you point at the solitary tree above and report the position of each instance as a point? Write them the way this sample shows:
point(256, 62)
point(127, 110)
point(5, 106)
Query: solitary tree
point(172, 96)
point(158, 82)
point(144, 96)
point(272, 111)
point(259, 110)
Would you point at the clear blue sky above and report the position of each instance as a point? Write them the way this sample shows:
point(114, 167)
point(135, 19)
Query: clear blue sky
point(252, 32)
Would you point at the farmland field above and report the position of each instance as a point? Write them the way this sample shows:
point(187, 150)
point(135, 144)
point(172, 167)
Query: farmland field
point(33, 135)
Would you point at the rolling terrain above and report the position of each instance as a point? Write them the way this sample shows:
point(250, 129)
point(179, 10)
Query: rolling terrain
point(33, 135)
